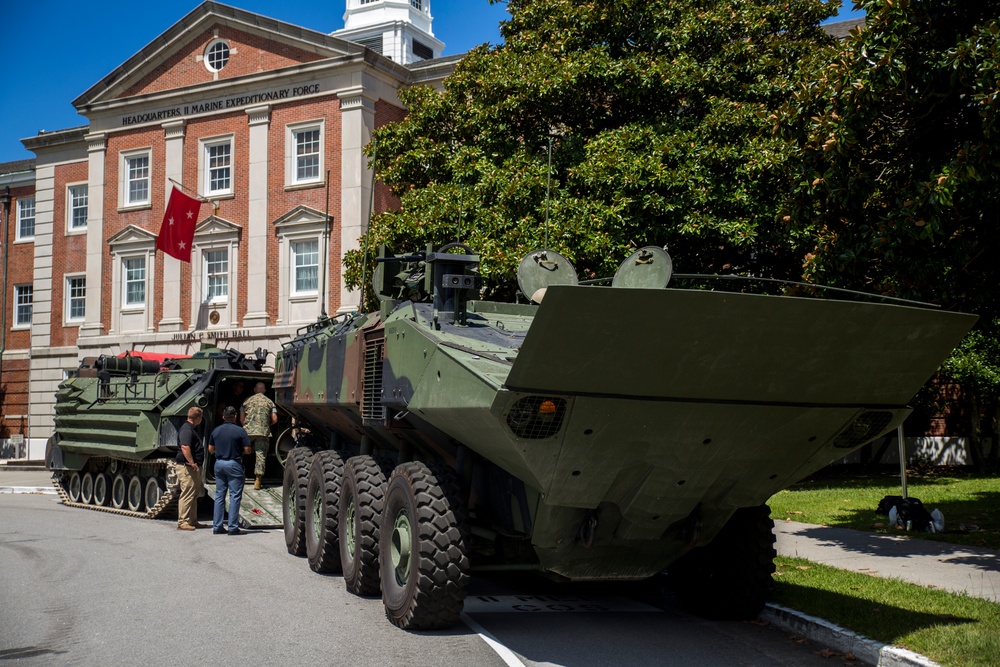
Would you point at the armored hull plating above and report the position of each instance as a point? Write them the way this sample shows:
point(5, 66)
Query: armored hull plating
point(601, 434)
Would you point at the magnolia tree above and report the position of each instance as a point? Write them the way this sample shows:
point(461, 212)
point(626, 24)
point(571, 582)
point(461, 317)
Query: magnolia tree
point(896, 175)
point(656, 115)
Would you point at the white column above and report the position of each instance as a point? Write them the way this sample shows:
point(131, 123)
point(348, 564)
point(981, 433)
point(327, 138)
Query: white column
point(97, 150)
point(40, 387)
point(257, 236)
point(357, 121)
point(173, 133)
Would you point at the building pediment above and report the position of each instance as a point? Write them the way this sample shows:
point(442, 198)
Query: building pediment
point(215, 226)
point(301, 216)
point(132, 236)
point(175, 59)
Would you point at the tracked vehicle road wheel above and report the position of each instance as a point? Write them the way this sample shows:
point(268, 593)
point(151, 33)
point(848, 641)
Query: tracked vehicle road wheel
point(322, 500)
point(730, 577)
point(87, 488)
point(153, 491)
point(135, 494)
point(293, 497)
point(361, 498)
point(119, 491)
point(423, 562)
point(102, 488)
point(73, 487)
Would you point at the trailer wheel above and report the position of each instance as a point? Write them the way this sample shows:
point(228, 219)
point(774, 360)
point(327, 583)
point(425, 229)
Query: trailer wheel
point(87, 488)
point(135, 493)
point(361, 498)
point(293, 499)
point(730, 577)
point(423, 562)
point(102, 488)
point(73, 490)
point(322, 499)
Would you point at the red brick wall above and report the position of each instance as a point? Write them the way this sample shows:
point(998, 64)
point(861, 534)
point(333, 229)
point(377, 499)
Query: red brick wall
point(69, 251)
point(20, 267)
point(252, 54)
point(386, 113)
point(282, 201)
point(14, 396)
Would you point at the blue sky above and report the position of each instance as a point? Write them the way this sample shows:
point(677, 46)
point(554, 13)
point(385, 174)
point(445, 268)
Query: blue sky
point(53, 52)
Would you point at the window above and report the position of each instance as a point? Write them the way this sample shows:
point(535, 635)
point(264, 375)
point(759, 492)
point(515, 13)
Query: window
point(26, 218)
point(305, 267)
point(217, 55)
point(77, 207)
point(307, 155)
point(134, 275)
point(136, 179)
point(423, 51)
point(76, 298)
point(23, 297)
point(417, 4)
point(218, 172)
point(216, 276)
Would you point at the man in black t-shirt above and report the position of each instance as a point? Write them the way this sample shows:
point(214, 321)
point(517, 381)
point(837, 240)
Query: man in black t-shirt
point(190, 457)
point(230, 443)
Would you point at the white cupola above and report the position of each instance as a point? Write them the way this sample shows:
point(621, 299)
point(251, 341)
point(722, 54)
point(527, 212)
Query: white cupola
point(398, 29)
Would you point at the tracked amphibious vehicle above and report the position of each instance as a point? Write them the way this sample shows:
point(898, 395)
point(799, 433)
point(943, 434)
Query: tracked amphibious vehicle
point(598, 433)
point(117, 420)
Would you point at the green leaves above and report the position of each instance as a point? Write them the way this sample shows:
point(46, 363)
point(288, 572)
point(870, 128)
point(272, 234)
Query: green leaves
point(661, 120)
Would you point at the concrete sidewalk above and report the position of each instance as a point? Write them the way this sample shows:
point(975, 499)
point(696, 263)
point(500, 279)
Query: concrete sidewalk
point(17, 478)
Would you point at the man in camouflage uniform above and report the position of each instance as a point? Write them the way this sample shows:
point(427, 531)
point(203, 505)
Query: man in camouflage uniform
point(257, 415)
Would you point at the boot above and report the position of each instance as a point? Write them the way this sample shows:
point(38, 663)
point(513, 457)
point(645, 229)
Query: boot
point(256, 484)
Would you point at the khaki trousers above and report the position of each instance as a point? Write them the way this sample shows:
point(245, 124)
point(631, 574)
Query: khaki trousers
point(189, 480)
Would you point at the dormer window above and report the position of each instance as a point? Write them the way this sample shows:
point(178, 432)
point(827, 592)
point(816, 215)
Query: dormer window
point(217, 55)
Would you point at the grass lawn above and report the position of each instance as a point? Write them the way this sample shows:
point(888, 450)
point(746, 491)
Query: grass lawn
point(847, 499)
point(954, 630)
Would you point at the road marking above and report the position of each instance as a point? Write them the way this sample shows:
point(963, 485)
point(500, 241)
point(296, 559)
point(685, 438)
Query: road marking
point(508, 656)
point(513, 604)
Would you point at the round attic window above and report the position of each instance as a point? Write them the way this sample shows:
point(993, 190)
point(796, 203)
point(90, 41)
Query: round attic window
point(217, 55)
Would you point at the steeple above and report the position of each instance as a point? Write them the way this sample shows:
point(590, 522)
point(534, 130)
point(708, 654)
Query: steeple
point(398, 29)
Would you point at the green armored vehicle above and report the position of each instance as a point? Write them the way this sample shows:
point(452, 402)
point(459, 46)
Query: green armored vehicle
point(598, 433)
point(117, 420)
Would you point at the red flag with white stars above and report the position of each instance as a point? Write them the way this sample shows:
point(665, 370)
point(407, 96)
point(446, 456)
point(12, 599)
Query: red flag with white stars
point(177, 228)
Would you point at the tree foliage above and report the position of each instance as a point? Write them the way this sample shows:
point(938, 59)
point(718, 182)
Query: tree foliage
point(658, 114)
point(898, 170)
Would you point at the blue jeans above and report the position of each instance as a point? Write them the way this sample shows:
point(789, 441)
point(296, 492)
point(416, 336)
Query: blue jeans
point(229, 476)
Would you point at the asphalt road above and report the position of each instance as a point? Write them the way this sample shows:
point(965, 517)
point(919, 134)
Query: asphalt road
point(88, 588)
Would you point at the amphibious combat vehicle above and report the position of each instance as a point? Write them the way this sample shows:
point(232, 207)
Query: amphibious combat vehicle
point(598, 433)
point(117, 418)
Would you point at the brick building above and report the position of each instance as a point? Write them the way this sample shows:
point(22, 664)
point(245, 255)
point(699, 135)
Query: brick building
point(266, 121)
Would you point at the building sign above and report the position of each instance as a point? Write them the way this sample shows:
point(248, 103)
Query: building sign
point(221, 104)
point(228, 334)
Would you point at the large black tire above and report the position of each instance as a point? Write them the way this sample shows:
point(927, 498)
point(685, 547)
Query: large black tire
point(423, 562)
point(322, 502)
point(361, 498)
point(729, 578)
point(293, 499)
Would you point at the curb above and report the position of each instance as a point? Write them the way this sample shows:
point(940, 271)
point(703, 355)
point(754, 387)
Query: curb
point(826, 633)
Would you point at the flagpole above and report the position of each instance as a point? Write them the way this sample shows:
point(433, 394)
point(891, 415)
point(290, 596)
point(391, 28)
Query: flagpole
point(202, 199)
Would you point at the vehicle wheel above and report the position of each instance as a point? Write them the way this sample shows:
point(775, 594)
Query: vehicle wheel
point(118, 491)
point(283, 445)
point(423, 565)
point(293, 497)
point(87, 488)
point(155, 488)
point(73, 487)
point(730, 577)
point(102, 488)
point(361, 496)
point(322, 499)
point(135, 493)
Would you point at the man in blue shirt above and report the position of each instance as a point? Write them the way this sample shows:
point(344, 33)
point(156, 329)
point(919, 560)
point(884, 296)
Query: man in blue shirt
point(229, 442)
